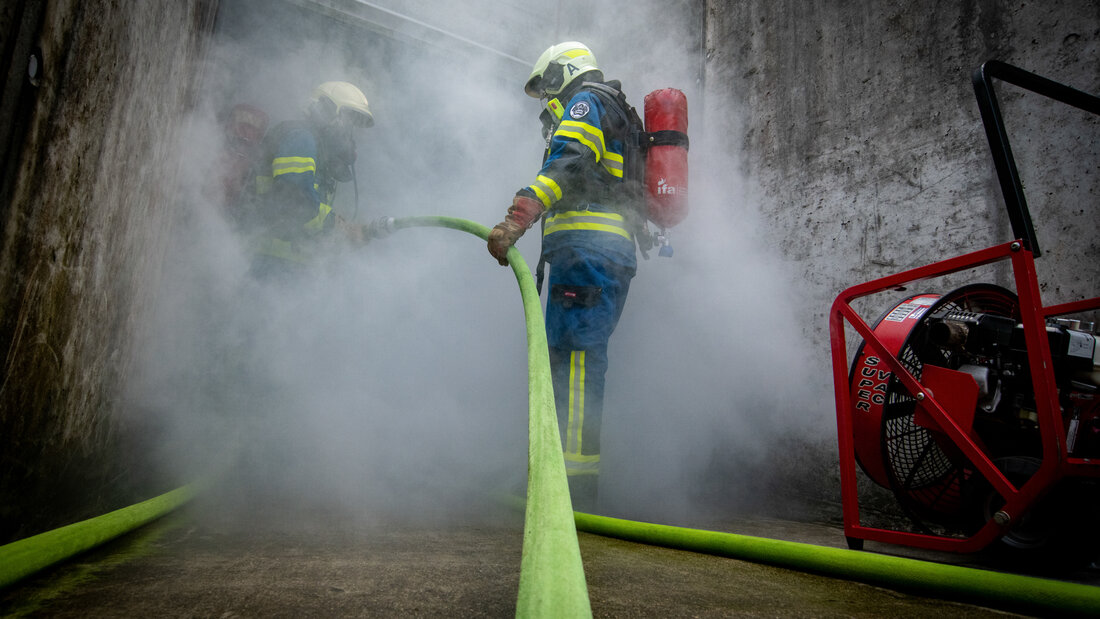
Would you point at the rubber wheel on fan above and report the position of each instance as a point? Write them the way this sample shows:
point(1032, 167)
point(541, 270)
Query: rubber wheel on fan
point(1058, 534)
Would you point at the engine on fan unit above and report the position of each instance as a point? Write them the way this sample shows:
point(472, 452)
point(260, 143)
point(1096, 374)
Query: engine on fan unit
point(992, 349)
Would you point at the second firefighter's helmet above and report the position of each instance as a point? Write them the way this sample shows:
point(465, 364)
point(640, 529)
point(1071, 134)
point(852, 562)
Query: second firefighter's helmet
point(340, 103)
point(557, 67)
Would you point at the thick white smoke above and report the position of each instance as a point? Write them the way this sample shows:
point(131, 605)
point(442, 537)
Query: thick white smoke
point(394, 381)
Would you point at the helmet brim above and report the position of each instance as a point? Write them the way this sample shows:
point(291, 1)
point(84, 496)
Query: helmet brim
point(532, 87)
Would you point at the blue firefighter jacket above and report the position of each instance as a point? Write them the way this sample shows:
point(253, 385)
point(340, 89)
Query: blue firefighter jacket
point(295, 195)
point(580, 183)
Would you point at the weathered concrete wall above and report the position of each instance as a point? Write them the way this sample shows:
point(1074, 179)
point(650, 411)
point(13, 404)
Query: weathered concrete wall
point(82, 239)
point(865, 155)
point(863, 140)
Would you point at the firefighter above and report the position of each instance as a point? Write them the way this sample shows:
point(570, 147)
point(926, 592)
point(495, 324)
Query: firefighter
point(587, 240)
point(300, 165)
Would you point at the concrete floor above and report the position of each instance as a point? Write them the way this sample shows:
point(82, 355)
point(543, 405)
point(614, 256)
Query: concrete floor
point(319, 563)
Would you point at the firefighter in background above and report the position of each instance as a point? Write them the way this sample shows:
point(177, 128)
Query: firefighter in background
point(300, 165)
point(588, 240)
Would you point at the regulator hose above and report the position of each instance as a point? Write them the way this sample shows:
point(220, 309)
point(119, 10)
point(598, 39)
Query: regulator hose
point(1013, 592)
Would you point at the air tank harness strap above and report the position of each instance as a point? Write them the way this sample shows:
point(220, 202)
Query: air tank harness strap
point(668, 137)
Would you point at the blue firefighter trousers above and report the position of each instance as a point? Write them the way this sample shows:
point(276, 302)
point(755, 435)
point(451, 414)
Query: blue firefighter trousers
point(586, 298)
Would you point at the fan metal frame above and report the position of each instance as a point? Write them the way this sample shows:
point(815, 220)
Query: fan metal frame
point(1056, 463)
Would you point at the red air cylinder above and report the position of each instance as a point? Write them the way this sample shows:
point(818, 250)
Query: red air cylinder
point(666, 170)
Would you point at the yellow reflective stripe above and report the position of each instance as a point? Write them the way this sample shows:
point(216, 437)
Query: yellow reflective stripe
point(573, 53)
point(574, 428)
point(586, 220)
point(613, 163)
point(587, 465)
point(547, 190)
point(550, 184)
point(585, 134)
point(593, 227)
point(586, 214)
point(593, 138)
point(577, 463)
point(541, 195)
point(292, 165)
point(317, 223)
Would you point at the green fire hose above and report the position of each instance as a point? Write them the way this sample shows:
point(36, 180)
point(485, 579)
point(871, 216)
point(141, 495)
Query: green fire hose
point(552, 582)
point(22, 558)
point(1009, 591)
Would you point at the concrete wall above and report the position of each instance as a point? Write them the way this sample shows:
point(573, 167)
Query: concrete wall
point(864, 155)
point(82, 239)
point(864, 145)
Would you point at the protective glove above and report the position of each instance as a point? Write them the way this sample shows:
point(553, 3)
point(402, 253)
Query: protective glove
point(523, 214)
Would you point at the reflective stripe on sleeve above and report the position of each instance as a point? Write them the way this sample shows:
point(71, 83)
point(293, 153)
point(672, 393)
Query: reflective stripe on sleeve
point(613, 163)
point(585, 134)
point(547, 190)
point(593, 138)
point(292, 165)
point(318, 223)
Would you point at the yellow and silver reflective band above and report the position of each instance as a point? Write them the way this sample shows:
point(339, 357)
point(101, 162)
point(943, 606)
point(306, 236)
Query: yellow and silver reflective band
point(292, 165)
point(592, 138)
point(574, 429)
point(317, 223)
point(546, 189)
point(577, 463)
point(613, 223)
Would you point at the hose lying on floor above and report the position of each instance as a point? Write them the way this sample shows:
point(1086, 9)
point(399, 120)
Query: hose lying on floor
point(1007, 591)
point(22, 558)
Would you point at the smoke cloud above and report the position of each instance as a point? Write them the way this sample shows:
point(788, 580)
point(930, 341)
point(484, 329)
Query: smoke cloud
point(392, 382)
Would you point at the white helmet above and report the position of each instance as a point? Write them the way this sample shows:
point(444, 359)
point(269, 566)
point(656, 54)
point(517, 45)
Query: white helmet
point(558, 66)
point(342, 102)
